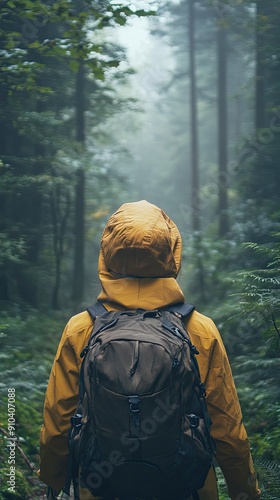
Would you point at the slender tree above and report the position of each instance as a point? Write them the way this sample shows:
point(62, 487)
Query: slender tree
point(194, 126)
point(60, 203)
point(79, 230)
point(260, 112)
point(222, 126)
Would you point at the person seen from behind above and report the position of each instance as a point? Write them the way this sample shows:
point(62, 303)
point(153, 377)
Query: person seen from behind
point(139, 261)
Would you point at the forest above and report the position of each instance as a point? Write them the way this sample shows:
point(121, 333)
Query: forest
point(111, 101)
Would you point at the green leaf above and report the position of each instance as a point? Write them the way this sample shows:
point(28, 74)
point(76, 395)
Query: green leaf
point(113, 64)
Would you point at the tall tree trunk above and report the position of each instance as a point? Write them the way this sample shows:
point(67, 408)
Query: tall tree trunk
point(28, 212)
point(260, 119)
point(60, 210)
point(222, 128)
point(78, 284)
point(193, 115)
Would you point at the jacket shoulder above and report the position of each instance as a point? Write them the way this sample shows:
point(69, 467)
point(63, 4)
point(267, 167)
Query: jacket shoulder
point(77, 333)
point(79, 322)
point(202, 326)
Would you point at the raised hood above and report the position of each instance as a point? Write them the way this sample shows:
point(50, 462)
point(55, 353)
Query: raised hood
point(140, 241)
point(140, 246)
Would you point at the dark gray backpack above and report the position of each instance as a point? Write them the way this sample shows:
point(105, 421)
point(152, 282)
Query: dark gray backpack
point(141, 430)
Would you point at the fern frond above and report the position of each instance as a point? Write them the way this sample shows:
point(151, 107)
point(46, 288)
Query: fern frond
point(269, 478)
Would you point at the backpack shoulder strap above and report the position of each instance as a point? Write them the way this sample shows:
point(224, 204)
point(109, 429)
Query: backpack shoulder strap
point(95, 310)
point(184, 309)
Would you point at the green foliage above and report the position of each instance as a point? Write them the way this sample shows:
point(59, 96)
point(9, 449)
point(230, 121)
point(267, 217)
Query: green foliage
point(257, 370)
point(28, 343)
point(21, 490)
point(223, 493)
point(10, 250)
point(260, 293)
point(269, 477)
point(248, 317)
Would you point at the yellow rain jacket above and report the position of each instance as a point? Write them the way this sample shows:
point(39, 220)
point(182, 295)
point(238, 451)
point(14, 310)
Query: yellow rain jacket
point(139, 261)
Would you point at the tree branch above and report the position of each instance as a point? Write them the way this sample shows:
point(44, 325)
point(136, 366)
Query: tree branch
point(30, 465)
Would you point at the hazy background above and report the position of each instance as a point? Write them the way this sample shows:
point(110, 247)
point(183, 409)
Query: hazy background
point(104, 102)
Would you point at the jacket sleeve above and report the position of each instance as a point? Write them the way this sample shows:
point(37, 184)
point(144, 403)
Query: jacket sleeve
point(233, 449)
point(60, 404)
